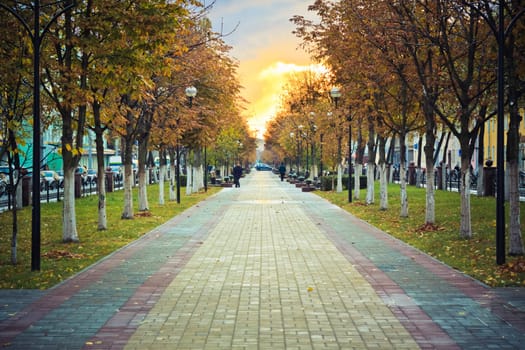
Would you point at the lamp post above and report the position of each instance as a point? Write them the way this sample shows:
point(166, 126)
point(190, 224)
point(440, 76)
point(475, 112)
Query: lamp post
point(300, 137)
point(36, 35)
point(292, 136)
point(190, 92)
point(335, 94)
point(321, 154)
point(350, 170)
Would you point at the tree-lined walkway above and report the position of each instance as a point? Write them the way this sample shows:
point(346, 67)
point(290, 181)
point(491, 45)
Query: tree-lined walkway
point(267, 266)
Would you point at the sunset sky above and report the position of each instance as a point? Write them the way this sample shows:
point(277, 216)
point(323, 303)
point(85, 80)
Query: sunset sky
point(265, 47)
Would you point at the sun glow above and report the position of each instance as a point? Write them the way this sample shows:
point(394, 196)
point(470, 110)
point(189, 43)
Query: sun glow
point(264, 99)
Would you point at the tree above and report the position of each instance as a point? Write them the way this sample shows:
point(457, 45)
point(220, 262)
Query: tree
point(468, 61)
point(15, 102)
point(513, 53)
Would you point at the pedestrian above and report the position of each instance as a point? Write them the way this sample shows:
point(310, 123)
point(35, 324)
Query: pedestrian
point(282, 171)
point(237, 173)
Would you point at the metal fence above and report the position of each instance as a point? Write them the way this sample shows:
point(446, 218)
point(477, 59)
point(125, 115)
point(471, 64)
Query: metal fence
point(54, 191)
point(452, 181)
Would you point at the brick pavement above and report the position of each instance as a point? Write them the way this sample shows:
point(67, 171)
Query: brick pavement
point(265, 266)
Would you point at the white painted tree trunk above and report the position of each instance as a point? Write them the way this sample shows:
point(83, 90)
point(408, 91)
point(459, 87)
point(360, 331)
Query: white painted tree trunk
point(128, 193)
point(189, 179)
point(198, 178)
point(162, 175)
point(102, 214)
point(339, 188)
point(515, 239)
point(465, 230)
point(357, 175)
point(403, 189)
point(430, 212)
point(383, 187)
point(69, 218)
point(315, 171)
point(173, 181)
point(143, 192)
point(370, 188)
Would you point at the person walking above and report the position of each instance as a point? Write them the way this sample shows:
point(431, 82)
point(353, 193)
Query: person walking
point(282, 171)
point(237, 173)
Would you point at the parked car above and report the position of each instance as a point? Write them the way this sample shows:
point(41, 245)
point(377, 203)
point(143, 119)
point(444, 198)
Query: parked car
point(263, 167)
point(49, 179)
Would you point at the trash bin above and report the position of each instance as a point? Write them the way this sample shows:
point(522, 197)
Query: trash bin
point(78, 185)
point(412, 174)
point(110, 184)
point(489, 179)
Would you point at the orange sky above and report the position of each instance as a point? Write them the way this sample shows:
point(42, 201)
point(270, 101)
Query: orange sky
point(265, 47)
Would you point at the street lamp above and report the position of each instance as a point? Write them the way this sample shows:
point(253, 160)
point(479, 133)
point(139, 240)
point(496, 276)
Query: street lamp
point(36, 35)
point(292, 136)
point(335, 94)
point(350, 170)
point(191, 92)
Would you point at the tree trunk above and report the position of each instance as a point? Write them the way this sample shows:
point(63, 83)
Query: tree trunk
point(339, 187)
point(445, 163)
point(69, 219)
point(515, 239)
point(383, 174)
point(101, 171)
point(481, 155)
point(189, 179)
point(358, 170)
point(359, 158)
point(370, 187)
point(127, 160)
point(101, 186)
point(128, 192)
point(141, 171)
point(402, 176)
point(419, 170)
point(430, 195)
point(465, 230)
point(71, 141)
point(515, 92)
point(403, 191)
point(198, 174)
point(162, 177)
point(383, 187)
point(371, 167)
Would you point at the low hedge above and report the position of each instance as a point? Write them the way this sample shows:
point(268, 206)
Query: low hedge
point(327, 181)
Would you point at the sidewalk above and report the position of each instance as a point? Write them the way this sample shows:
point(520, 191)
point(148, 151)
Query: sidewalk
point(265, 266)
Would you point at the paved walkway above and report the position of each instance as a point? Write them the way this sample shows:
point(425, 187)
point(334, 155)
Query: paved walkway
point(265, 266)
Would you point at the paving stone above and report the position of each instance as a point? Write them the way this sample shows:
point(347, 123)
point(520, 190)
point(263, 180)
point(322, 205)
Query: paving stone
point(265, 266)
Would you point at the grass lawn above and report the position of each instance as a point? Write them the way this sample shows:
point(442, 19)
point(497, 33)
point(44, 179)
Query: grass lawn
point(60, 261)
point(475, 257)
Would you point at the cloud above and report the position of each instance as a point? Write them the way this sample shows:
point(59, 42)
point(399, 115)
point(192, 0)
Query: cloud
point(265, 47)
